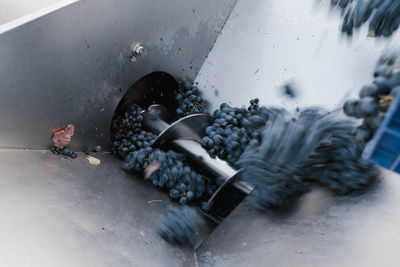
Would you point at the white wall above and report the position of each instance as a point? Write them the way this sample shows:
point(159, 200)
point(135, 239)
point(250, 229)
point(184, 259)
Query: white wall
point(266, 42)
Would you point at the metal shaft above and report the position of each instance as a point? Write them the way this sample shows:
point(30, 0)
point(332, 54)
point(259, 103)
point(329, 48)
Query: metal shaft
point(196, 152)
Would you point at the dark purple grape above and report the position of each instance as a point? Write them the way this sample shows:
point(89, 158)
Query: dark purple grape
point(368, 106)
point(363, 134)
point(369, 90)
point(65, 151)
point(383, 16)
point(352, 108)
point(179, 226)
point(382, 85)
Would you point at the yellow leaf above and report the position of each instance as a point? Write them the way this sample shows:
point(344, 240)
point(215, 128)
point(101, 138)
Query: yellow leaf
point(93, 160)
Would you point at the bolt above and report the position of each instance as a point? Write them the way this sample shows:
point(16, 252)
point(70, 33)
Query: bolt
point(138, 49)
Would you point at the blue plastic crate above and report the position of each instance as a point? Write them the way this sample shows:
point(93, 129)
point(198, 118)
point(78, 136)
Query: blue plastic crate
point(384, 148)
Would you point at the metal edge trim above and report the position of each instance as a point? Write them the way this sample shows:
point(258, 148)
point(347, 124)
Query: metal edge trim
point(18, 22)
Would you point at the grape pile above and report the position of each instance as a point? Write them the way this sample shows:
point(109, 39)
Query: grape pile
point(233, 129)
point(179, 226)
point(313, 148)
point(189, 100)
point(374, 98)
point(170, 170)
point(166, 170)
point(127, 132)
point(383, 16)
point(280, 155)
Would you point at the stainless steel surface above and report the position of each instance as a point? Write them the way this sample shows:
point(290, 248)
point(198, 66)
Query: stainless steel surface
point(62, 212)
point(158, 111)
point(360, 230)
point(184, 135)
point(191, 127)
point(243, 186)
point(72, 65)
point(217, 167)
point(154, 124)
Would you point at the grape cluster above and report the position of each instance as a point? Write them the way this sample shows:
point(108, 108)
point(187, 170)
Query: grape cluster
point(233, 129)
point(336, 161)
point(383, 16)
point(180, 226)
point(127, 132)
point(314, 148)
point(64, 151)
point(273, 167)
point(278, 154)
point(168, 170)
point(374, 98)
point(189, 100)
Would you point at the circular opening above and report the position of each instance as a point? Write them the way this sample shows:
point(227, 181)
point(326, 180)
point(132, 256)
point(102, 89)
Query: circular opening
point(154, 88)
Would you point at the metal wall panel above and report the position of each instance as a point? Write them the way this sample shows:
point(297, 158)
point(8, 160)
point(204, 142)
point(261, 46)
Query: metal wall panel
point(72, 65)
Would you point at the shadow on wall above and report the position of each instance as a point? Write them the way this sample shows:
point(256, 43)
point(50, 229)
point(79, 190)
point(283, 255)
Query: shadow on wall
point(154, 88)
